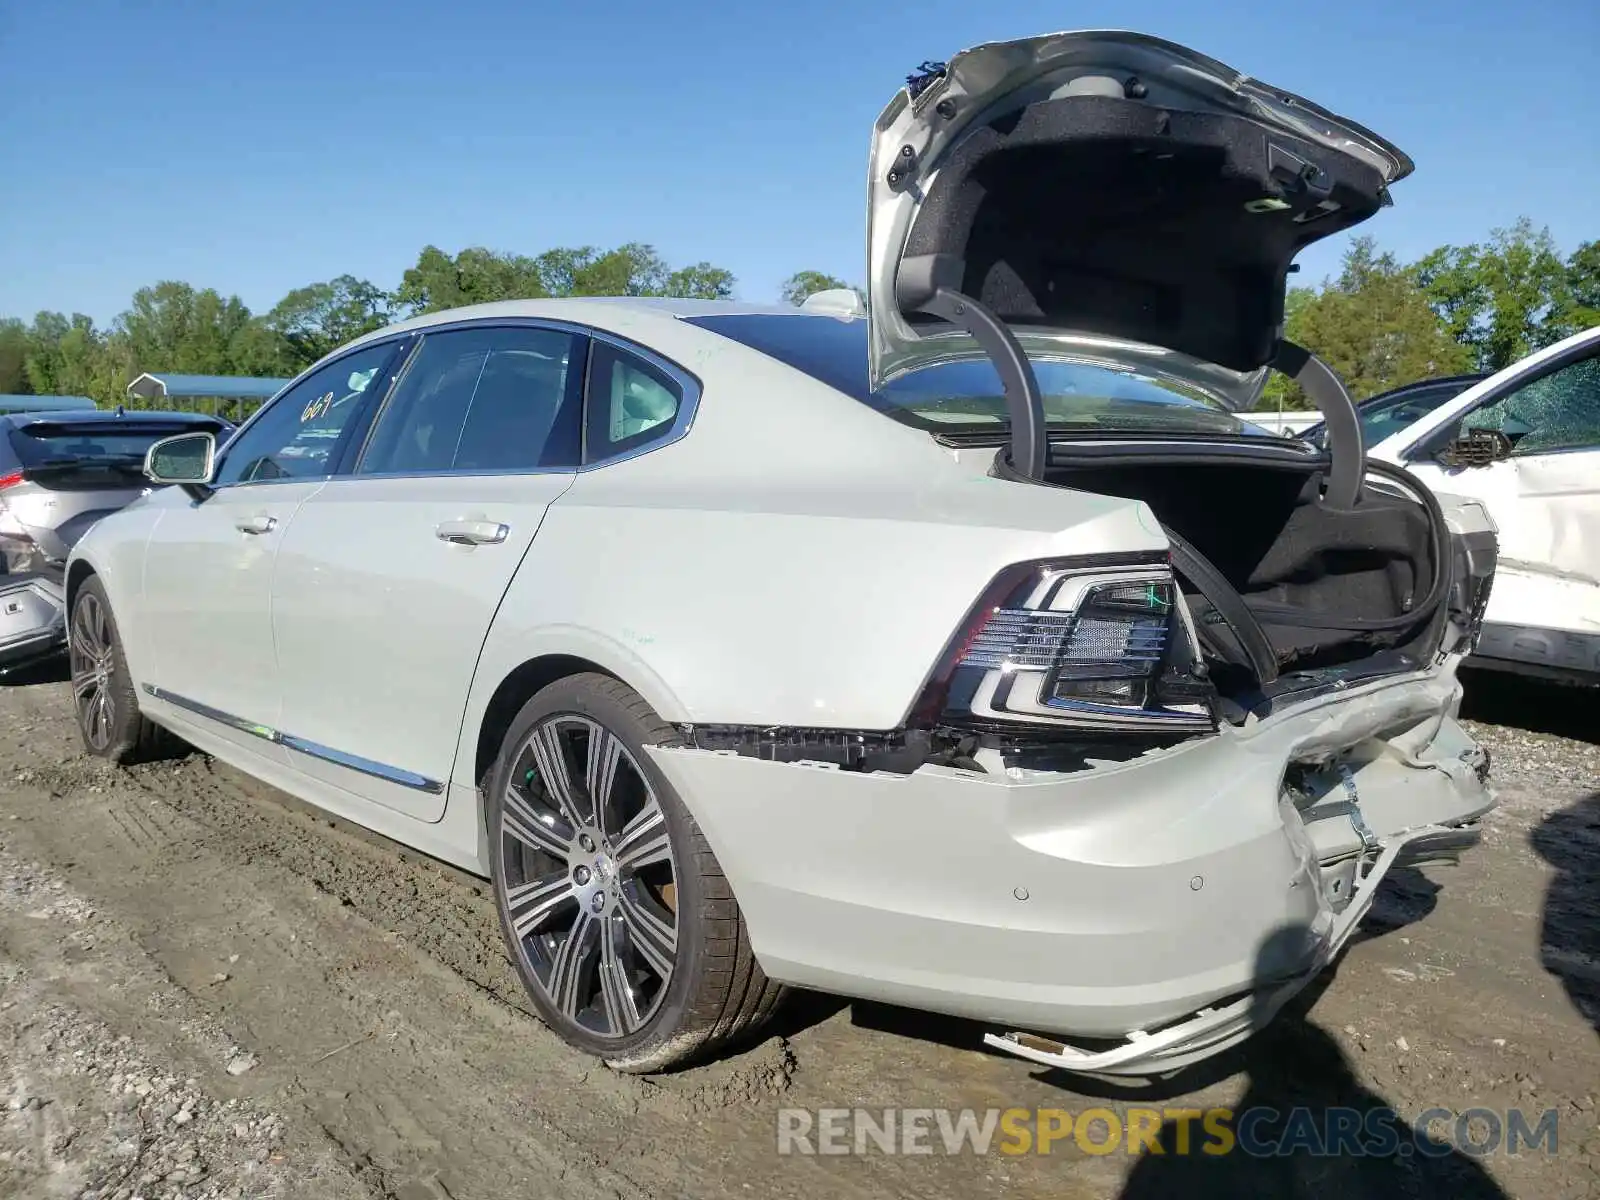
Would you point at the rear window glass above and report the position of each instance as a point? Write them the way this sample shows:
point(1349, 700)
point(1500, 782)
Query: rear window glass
point(41, 445)
point(966, 396)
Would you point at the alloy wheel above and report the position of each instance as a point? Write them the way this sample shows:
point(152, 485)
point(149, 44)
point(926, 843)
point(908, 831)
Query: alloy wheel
point(93, 663)
point(590, 882)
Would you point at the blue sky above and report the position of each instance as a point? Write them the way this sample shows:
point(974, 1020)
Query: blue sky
point(257, 147)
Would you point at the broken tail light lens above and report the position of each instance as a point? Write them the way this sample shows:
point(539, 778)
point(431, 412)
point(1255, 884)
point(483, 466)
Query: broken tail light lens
point(1074, 644)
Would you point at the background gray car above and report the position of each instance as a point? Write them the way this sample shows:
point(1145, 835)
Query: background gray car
point(60, 472)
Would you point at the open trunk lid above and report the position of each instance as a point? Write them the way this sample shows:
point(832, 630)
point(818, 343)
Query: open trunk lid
point(1112, 198)
point(1117, 200)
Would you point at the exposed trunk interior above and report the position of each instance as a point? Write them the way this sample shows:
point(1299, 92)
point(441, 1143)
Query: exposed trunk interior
point(1328, 588)
point(1115, 216)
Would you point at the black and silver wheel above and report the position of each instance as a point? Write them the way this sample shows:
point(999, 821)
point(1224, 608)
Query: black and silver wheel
point(615, 911)
point(103, 695)
point(92, 660)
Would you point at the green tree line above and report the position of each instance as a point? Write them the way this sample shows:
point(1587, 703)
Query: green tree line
point(1380, 322)
point(175, 327)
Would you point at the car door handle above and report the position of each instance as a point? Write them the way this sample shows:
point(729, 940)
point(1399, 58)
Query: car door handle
point(257, 524)
point(472, 533)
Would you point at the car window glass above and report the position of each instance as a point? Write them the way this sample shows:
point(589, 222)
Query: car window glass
point(299, 433)
point(482, 400)
point(92, 443)
point(1558, 411)
point(631, 403)
point(1387, 418)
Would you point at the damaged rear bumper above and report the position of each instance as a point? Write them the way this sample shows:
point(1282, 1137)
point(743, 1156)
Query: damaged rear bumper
point(1220, 1027)
point(33, 622)
point(1164, 907)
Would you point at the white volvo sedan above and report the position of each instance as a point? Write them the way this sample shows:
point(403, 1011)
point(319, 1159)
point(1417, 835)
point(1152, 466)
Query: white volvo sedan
point(965, 652)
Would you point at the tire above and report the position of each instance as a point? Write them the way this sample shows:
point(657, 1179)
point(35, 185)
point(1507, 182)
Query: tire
point(104, 699)
point(584, 896)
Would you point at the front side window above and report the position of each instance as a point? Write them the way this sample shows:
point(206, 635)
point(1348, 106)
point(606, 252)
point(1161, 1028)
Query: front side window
point(1558, 411)
point(632, 403)
point(302, 433)
point(480, 400)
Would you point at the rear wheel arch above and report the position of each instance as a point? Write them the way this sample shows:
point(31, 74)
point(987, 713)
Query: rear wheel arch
point(577, 653)
point(515, 690)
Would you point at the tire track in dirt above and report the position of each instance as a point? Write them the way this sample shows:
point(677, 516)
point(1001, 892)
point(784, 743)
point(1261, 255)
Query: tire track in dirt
point(372, 952)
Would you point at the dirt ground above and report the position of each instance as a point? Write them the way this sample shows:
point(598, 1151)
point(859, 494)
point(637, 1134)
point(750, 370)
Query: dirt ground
point(207, 991)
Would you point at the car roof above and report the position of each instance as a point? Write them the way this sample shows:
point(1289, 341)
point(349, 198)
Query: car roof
point(1464, 381)
point(599, 311)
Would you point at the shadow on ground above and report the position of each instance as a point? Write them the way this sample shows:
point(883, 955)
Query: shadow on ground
point(1496, 698)
point(1305, 1127)
point(49, 670)
point(1312, 1130)
point(1404, 897)
point(1569, 934)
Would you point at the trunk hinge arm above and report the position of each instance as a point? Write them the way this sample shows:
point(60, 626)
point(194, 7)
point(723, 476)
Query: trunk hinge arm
point(1346, 454)
point(1024, 401)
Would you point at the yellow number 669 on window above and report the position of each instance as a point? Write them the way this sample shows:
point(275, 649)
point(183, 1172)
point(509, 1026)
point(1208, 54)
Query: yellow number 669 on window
point(317, 407)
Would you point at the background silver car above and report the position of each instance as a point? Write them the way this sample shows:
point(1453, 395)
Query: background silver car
point(60, 472)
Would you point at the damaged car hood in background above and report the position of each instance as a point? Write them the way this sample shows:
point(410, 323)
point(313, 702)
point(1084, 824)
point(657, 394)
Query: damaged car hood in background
point(936, 111)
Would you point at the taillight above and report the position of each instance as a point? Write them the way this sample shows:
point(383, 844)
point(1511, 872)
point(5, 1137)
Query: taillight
point(12, 479)
point(1082, 643)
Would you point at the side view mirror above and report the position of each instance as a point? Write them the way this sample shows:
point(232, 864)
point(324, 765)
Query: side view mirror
point(1475, 448)
point(186, 459)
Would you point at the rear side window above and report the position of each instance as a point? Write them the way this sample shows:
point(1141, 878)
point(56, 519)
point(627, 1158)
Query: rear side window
point(632, 403)
point(480, 400)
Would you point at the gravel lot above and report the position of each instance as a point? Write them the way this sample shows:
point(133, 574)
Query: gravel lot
point(207, 991)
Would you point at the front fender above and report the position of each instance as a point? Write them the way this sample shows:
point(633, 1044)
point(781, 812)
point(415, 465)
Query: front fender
point(113, 550)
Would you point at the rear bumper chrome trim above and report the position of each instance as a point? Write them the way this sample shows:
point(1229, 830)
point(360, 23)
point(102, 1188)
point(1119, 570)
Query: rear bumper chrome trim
point(300, 745)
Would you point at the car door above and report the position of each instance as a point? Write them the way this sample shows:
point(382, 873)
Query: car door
point(206, 606)
point(1544, 494)
point(388, 579)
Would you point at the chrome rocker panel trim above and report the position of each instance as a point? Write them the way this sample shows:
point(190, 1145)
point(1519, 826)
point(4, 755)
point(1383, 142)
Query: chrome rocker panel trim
point(352, 762)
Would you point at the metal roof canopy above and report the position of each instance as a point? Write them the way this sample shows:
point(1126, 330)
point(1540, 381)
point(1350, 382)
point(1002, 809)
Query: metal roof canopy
point(221, 387)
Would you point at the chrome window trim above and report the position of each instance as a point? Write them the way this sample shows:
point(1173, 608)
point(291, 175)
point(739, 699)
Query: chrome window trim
point(677, 429)
point(499, 471)
point(339, 758)
point(566, 327)
point(682, 422)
